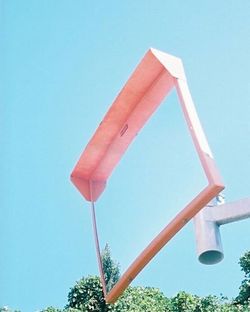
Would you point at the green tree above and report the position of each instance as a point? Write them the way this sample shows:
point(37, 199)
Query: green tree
point(183, 302)
point(52, 309)
point(209, 304)
point(110, 268)
point(87, 295)
point(141, 299)
point(244, 294)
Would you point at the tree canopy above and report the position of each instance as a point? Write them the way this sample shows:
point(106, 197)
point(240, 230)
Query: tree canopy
point(110, 268)
point(244, 294)
point(87, 295)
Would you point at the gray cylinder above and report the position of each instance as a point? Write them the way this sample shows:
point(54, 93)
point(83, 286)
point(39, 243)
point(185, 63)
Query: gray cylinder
point(208, 239)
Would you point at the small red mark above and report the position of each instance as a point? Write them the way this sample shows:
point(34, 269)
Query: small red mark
point(124, 129)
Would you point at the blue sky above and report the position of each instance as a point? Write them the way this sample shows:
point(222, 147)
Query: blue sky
point(63, 63)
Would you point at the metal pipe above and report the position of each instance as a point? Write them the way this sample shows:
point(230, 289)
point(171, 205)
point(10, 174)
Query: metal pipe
point(231, 212)
point(207, 227)
point(208, 239)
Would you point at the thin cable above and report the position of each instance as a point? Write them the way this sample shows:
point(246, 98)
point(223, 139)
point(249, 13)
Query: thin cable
point(97, 245)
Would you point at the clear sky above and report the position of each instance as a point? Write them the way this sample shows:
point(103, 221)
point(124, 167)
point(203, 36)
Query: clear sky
point(62, 64)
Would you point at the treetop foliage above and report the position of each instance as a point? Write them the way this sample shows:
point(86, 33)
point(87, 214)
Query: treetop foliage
point(87, 295)
point(244, 294)
point(110, 268)
point(245, 264)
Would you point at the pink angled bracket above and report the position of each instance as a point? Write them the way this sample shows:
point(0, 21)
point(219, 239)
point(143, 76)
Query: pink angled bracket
point(156, 75)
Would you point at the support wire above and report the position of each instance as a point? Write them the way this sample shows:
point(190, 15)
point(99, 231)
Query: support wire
point(97, 245)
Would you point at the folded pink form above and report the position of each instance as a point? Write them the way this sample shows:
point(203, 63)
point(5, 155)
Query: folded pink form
point(155, 76)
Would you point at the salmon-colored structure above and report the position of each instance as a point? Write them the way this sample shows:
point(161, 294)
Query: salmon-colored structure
point(155, 76)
